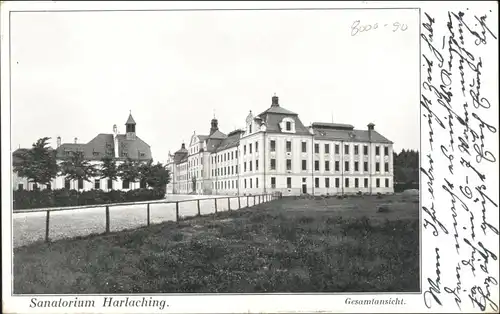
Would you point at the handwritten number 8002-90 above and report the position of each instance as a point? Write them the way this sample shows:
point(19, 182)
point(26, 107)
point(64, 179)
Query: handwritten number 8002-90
point(356, 28)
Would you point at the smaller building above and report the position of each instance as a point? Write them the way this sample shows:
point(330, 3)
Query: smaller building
point(118, 146)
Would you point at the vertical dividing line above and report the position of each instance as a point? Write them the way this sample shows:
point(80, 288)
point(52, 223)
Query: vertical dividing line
point(47, 219)
point(177, 211)
point(199, 210)
point(229, 204)
point(253, 200)
point(148, 215)
point(215, 202)
point(107, 219)
point(248, 205)
point(239, 202)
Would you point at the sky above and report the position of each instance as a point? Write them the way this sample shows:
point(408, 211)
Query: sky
point(76, 74)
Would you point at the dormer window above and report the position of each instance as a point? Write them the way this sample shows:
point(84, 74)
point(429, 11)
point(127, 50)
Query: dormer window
point(249, 128)
point(288, 125)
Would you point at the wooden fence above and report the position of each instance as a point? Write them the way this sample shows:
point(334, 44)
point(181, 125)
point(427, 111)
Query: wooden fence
point(257, 199)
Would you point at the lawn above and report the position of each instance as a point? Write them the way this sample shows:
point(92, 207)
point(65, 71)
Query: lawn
point(287, 245)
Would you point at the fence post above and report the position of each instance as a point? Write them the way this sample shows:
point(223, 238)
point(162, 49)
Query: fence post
point(239, 202)
point(148, 215)
point(107, 219)
point(199, 211)
point(254, 200)
point(248, 205)
point(47, 226)
point(229, 204)
point(215, 201)
point(177, 211)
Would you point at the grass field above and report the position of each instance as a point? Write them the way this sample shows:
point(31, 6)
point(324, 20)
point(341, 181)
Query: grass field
point(287, 245)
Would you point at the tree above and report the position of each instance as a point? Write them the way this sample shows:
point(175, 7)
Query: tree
point(108, 169)
point(38, 164)
point(76, 167)
point(156, 175)
point(129, 170)
point(193, 180)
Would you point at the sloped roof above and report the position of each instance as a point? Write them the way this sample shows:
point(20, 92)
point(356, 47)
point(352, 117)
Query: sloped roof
point(278, 110)
point(349, 135)
point(273, 120)
point(130, 120)
point(229, 142)
point(217, 135)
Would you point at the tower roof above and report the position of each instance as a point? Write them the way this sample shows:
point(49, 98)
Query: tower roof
point(130, 120)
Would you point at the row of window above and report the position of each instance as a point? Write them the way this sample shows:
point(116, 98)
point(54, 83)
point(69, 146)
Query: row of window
point(233, 184)
point(96, 184)
point(327, 148)
point(227, 156)
point(327, 165)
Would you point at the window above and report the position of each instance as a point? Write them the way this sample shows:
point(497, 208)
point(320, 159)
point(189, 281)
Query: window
point(365, 166)
point(316, 165)
point(273, 164)
point(304, 147)
point(232, 184)
point(346, 182)
point(250, 148)
point(67, 184)
point(20, 187)
point(236, 154)
point(327, 148)
point(316, 148)
point(366, 182)
point(244, 149)
point(304, 164)
point(245, 183)
point(97, 184)
point(356, 183)
point(337, 166)
point(386, 183)
point(250, 183)
point(236, 168)
point(386, 167)
point(250, 128)
point(273, 145)
point(125, 184)
point(377, 166)
point(288, 146)
point(245, 166)
point(232, 155)
point(257, 182)
point(288, 126)
point(256, 147)
point(346, 149)
point(377, 182)
point(256, 165)
point(386, 151)
point(356, 149)
point(337, 149)
point(232, 169)
point(346, 166)
point(304, 180)
point(365, 150)
point(356, 166)
point(288, 164)
point(337, 182)
point(273, 182)
point(327, 165)
point(377, 150)
point(250, 164)
point(316, 182)
point(80, 184)
point(289, 183)
point(327, 182)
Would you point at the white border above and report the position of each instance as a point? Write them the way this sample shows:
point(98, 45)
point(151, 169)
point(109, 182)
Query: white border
point(225, 303)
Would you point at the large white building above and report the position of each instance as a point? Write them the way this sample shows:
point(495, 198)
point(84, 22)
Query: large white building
point(116, 145)
point(277, 153)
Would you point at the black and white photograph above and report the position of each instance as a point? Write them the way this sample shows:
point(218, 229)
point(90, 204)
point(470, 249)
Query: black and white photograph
point(194, 150)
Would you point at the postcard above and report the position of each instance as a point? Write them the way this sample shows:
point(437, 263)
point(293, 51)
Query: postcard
point(249, 157)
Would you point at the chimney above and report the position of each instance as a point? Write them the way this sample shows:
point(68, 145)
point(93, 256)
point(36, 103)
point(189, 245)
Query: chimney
point(371, 127)
point(275, 102)
point(115, 129)
point(76, 140)
point(58, 141)
point(183, 146)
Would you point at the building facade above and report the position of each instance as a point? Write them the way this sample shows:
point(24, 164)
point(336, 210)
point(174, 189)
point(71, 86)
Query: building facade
point(118, 146)
point(275, 152)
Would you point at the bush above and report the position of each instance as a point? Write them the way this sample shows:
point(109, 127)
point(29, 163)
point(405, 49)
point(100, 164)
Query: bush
point(62, 197)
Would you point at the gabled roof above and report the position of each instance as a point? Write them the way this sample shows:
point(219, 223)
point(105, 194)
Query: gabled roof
point(230, 141)
point(217, 135)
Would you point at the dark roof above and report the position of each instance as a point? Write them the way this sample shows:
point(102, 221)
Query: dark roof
point(217, 135)
point(273, 120)
point(230, 141)
point(349, 135)
point(130, 120)
point(103, 145)
point(338, 126)
point(16, 155)
point(278, 110)
point(202, 137)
